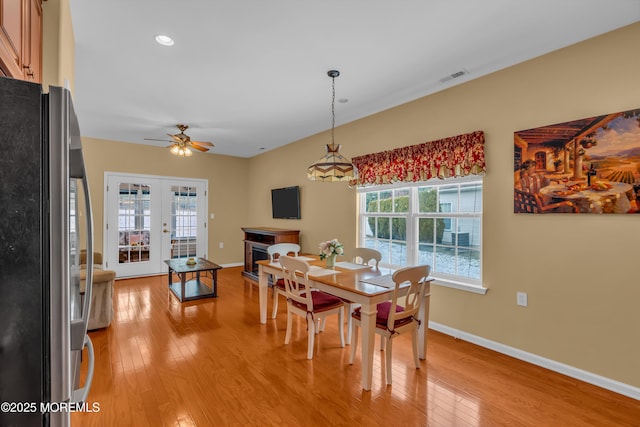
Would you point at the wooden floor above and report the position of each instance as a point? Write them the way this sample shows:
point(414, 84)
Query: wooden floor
point(211, 363)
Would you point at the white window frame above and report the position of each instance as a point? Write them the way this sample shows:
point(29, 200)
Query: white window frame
point(412, 218)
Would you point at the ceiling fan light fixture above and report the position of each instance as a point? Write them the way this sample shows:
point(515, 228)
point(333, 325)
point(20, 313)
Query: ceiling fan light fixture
point(333, 166)
point(182, 145)
point(164, 40)
point(181, 151)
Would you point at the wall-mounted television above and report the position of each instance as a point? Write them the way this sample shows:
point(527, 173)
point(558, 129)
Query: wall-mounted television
point(285, 202)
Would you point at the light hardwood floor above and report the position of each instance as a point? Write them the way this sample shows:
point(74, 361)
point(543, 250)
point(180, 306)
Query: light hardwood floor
point(211, 363)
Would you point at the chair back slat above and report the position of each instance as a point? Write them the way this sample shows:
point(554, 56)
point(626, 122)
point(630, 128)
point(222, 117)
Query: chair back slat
point(416, 277)
point(296, 280)
point(365, 255)
point(279, 249)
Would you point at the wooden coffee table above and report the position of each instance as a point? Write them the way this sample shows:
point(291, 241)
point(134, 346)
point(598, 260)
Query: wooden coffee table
point(191, 286)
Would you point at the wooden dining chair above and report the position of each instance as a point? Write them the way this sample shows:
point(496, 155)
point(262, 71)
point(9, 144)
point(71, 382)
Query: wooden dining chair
point(366, 255)
point(312, 304)
point(393, 319)
point(275, 252)
point(363, 256)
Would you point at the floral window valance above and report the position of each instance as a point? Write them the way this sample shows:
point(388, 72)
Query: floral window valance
point(455, 156)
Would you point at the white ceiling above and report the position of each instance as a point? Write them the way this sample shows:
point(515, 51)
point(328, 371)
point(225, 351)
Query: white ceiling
point(251, 75)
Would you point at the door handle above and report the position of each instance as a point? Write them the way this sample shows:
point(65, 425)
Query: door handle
point(165, 231)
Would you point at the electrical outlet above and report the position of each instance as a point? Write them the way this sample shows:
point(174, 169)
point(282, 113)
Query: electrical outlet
point(221, 245)
point(521, 299)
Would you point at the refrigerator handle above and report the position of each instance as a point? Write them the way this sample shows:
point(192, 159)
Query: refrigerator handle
point(86, 310)
point(79, 327)
point(80, 395)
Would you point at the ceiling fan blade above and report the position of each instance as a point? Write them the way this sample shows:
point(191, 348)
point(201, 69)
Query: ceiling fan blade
point(199, 148)
point(203, 143)
point(170, 146)
point(176, 138)
point(152, 139)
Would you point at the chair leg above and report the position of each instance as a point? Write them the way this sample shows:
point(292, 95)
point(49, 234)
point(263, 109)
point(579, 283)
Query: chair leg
point(349, 321)
point(414, 341)
point(354, 344)
point(275, 302)
point(311, 324)
point(324, 323)
point(383, 340)
point(388, 353)
point(341, 323)
point(287, 336)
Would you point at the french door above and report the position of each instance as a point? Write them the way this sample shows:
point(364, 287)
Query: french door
point(150, 219)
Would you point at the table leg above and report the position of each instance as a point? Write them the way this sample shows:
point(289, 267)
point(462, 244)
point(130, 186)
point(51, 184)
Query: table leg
point(263, 286)
point(368, 329)
point(423, 316)
point(214, 283)
point(183, 282)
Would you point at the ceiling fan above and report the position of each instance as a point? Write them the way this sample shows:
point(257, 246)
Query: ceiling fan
point(181, 143)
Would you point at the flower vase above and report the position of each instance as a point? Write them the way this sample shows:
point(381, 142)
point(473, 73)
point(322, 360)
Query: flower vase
point(331, 261)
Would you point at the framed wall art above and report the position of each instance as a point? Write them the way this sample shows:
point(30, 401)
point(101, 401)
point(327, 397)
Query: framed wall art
point(586, 166)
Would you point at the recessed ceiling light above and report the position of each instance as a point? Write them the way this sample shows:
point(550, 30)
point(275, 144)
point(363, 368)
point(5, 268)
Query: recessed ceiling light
point(164, 40)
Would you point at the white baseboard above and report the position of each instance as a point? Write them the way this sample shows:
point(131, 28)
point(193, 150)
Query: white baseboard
point(588, 377)
point(232, 264)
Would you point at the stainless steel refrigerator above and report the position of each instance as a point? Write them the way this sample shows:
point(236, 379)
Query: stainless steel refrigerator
point(45, 220)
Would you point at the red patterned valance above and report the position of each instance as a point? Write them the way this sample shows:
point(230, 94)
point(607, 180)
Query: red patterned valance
point(455, 156)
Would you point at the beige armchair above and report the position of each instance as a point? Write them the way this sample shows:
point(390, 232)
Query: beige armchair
point(97, 259)
point(101, 297)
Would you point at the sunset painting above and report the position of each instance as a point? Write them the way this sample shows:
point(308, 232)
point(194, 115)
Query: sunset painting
point(590, 165)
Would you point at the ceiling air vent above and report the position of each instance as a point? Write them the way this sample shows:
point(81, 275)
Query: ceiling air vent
point(454, 75)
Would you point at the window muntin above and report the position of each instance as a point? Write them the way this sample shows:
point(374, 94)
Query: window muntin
point(438, 223)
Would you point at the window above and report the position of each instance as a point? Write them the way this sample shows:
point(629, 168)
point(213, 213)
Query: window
point(436, 222)
point(184, 219)
point(134, 220)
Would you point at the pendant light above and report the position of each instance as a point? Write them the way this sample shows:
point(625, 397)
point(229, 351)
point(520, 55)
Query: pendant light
point(333, 166)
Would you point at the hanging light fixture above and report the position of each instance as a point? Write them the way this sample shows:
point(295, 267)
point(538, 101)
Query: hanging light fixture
point(333, 166)
point(181, 150)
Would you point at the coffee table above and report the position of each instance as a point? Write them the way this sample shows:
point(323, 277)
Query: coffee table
point(191, 286)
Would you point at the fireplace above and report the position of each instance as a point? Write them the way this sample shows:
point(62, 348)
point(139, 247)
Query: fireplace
point(258, 253)
point(256, 242)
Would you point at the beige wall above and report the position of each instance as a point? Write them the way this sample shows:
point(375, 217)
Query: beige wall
point(227, 178)
point(579, 271)
point(58, 45)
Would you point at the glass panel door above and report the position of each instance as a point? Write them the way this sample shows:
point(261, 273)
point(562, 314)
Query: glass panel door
point(134, 207)
point(152, 219)
point(185, 218)
point(134, 222)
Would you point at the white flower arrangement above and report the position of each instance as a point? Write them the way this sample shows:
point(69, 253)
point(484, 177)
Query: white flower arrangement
point(330, 247)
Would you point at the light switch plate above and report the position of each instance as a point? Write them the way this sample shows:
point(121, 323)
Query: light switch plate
point(521, 299)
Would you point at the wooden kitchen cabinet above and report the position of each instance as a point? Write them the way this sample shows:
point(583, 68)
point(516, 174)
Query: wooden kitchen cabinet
point(21, 39)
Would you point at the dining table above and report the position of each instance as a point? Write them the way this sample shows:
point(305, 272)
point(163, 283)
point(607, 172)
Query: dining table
point(610, 197)
point(361, 284)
